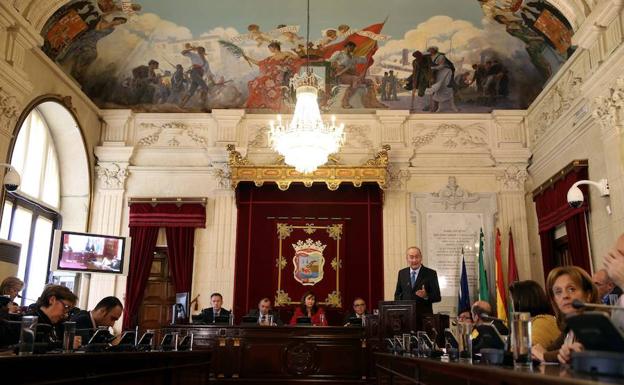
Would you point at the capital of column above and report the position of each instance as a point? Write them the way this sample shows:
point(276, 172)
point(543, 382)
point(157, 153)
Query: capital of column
point(511, 177)
point(392, 126)
point(117, 124)
point(227, 125)
point(607, 109)
point(112, 166)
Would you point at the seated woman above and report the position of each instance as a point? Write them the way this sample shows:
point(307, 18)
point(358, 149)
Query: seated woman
point(563, 286)
point(529, 297)
point(308, 308)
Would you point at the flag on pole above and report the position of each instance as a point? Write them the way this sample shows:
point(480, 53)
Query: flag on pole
point(484, 293)
point(501, 298)
point(464, 291)
point(512, 268)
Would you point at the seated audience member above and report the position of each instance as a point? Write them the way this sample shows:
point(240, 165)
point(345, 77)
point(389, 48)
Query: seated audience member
point(9, 334)
point(529, 297)
point(10, 287)
point(359, 310)
point(605, 286)
point(480, 308)
point(563, 286)
point(105, 313)
point(614, 264)
point(208, 315)
point(464, 315)
point(51, 308)
point(264, 309)
point(309, 308)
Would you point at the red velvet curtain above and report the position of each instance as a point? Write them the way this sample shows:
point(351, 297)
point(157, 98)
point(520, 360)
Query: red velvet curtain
point(146, 219)
point(141, 256)
point(180, 247)
point(259, 208)
point(553, 209)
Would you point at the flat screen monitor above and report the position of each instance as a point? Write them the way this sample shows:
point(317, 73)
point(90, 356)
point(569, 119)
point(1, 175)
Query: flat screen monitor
point(90, 253)
point(183, 299)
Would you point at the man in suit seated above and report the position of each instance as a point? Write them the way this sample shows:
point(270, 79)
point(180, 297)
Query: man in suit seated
point(264, 309)
point(208, 315)
point(359, 310)
point(418, 283)
point(105, 313)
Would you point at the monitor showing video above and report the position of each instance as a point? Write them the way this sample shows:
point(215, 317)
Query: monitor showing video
point(94, 253)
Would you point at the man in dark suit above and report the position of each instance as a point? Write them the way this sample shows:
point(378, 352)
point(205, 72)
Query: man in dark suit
point(105, 313)
point(264, 309)
point(418, 283)
point(359, 310)
point(208, 315)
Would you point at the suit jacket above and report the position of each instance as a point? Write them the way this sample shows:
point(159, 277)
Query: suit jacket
point(207, 316)
point(351, 314)
point(276, 319)
point(405, 292)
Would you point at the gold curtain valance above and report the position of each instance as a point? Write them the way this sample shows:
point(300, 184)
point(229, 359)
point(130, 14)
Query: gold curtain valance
point(373, 170)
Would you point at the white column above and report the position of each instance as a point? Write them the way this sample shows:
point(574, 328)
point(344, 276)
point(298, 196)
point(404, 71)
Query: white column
point(215, 250)
point(396, 223)
point(512, 214)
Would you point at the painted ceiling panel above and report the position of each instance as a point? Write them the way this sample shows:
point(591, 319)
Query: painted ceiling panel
point(196, 55)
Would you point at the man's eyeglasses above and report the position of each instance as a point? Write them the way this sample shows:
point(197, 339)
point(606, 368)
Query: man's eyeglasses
point(359, 304)
point(66, 308)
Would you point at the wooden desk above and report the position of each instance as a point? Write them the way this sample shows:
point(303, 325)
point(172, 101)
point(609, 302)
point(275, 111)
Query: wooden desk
point(286, 354)
point(393, 369)
point(120, 368)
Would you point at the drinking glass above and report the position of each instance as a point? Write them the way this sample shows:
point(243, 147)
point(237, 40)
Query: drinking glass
point(69, 332)
point(521, 338)
point(406, 343)
point(322, 319)
point(27, 335)
point(424, 350)
point(464, 331)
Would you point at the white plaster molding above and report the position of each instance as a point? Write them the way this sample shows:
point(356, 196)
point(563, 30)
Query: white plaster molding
point(594, 25)
point(607, 109)
point(398, 176)
point(512, 178)
point(117, 125)
point(223, 175)
point(392, 126)
point(454, 197)
point(172, 134)
point(359, 136)
point(228, 125)
point(112, 175)
point(8, 112)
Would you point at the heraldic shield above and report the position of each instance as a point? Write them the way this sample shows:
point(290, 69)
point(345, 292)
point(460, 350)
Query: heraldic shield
point(308, 261)
point(309, 257)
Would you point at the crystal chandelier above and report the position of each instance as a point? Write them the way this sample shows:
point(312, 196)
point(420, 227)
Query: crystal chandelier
point(306, 141)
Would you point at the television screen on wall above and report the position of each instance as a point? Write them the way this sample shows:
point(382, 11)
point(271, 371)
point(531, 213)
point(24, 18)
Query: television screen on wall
point(90, 253)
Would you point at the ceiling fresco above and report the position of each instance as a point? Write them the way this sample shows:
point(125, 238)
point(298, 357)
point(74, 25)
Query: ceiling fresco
point(197, 55)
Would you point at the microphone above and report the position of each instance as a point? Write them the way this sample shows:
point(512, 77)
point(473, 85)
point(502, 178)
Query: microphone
point(578, 304)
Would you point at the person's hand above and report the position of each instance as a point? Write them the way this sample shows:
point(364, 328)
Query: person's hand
point(13, 308)
point(537, 352)
point(614, 264)
point(564, 353)
point(422, 293)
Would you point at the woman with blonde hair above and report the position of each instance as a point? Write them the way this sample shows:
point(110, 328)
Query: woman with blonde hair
point(564, 285)
point(10, 287)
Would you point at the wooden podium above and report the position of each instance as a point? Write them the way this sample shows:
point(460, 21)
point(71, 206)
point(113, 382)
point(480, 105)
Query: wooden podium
point(398, 317)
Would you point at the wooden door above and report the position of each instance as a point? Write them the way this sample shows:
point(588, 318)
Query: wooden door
point(159, 295)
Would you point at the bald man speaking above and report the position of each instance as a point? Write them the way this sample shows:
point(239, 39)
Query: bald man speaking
point(417, 282)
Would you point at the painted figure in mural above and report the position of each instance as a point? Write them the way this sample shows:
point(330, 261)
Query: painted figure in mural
point(329, 36)
point(82, 52)
point(384, 86)
point(289, 33)
point(441, 90)
point(179, 84)
point(257, 35)
point(267, 89)
point(421, 75)
point(199, 69)
point(343, 64)
point(536, 45)
point(393, 84)
point(478, 77)
point(145, 83)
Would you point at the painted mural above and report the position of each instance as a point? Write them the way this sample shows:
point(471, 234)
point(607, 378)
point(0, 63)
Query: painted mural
point(424, 56)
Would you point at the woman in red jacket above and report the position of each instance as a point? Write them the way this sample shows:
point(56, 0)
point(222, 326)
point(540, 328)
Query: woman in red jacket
point(308, 308)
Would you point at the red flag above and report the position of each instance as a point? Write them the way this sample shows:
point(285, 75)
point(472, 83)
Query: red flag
point(364, 46)
point(512, 269)
point(501, 298)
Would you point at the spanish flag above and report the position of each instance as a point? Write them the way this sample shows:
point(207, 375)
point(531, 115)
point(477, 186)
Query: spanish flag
point(501, 298)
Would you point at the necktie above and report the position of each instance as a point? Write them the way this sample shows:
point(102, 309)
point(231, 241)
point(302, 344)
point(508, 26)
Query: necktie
point(413, 278)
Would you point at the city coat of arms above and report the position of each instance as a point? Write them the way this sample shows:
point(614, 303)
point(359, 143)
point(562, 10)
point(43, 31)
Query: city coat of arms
point(308, 261)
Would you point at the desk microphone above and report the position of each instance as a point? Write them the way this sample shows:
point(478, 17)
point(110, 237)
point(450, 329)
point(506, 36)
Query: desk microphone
point(578, 304)
point(28, 299)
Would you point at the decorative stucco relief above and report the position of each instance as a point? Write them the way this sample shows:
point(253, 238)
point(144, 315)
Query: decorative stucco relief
point(397, 177)
point(258, 136)
point(512, 178)
point(112, 175)
point(358, 136)
point(223, 175)
point(453, 197)
point(557, 102)
point(8, 111)
point(452, 136)
point(606, 108)
point(171, 134)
